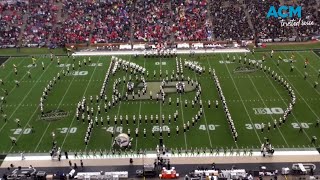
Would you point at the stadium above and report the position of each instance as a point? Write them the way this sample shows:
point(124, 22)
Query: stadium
point(129, 89)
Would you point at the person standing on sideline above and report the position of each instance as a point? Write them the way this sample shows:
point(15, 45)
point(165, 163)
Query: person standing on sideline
point(66, 154)
point(81, 163)
point(22, 156)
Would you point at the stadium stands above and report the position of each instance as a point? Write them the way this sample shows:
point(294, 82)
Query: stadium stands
point(57, 22)
point(233, 26)
point(263, 27)
point(112, 22)
point(310, 11)
point(190, 20)
point(42, 16)
point(11, 20)
point(151, 21)
point(76, 26)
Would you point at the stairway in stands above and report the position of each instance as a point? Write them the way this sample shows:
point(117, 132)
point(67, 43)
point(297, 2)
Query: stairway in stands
point(248, 16)
point(60, 19)
point(23, 27)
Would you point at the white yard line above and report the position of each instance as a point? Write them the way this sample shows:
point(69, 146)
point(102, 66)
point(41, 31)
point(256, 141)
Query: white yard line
point(309, 65)
point(285, 103)
point(85, 91)
point(204, 114)
point(245, 108)
point(318, 57)
point(11, 70)
point(296, 90)
point(160, 102)
point(144, 65)
point(307, 80)
point(184, 133)
point(66, 92)
point(32, 113)
point(255, 87)
point(115, 126)
point(226, 100)
point(182, 115)
point(19, 105)
point(14, 87)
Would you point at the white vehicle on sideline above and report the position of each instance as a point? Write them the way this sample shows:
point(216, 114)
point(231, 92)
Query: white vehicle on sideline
point(303, 168)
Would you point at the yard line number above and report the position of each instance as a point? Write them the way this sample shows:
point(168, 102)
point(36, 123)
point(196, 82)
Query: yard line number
point(274, 110)
point(69, 65)
point(79, 73)
point(162, 63)
point(294, 125)
point(165, 128)
point(65, 130)
point(119, 129)
point(211, 127)
point(19, 131)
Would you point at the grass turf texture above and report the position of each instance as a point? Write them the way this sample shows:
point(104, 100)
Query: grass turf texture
point(243, 92)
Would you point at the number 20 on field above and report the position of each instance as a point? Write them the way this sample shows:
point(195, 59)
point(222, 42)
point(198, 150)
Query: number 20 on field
point(294, 125)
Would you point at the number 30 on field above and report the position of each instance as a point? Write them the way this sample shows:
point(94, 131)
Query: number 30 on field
point(67, 130)
point(294, 125)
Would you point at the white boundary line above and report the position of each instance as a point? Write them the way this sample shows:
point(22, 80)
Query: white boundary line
point(150, 156)
point(85, 91)
point(141, 52)
point(241, 100)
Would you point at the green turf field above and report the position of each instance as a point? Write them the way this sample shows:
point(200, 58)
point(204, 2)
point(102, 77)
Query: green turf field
point(249, 96)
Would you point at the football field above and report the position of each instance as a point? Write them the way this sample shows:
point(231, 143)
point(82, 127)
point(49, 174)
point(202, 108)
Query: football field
point(252, 95)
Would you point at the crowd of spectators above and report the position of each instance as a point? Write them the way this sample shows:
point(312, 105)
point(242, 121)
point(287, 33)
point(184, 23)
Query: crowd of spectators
point(42, 17)
point(310, 12)
point(191, 20)
point(267, 27)
point(112, 22)
point(152, 20)
point(229, 21)
point(59, 22)
point(77, 19)
point(11, 21)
